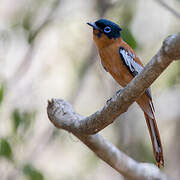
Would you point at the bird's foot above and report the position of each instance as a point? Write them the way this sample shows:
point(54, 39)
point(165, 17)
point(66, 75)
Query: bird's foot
point(108, 101)
point(118, 92)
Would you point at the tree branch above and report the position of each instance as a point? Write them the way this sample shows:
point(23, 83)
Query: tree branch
point(99, 120)
point(63, 116)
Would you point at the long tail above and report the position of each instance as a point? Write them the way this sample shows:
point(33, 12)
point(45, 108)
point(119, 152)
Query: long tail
point(147, 106)
point(155, 139)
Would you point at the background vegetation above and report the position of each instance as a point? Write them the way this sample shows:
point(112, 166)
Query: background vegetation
point(46, 50)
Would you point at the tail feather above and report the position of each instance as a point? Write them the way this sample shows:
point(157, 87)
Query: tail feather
point(147, 106)
point(155, 139)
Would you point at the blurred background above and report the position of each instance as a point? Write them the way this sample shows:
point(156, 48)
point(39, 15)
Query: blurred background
point(47, 51)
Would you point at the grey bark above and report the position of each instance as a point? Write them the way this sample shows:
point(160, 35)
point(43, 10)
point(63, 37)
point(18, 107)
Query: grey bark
point(63, 116)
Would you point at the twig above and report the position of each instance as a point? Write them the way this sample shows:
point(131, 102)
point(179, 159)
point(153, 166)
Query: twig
point(170, 9)
point(63, 116)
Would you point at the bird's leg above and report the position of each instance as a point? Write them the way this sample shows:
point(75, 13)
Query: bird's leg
point(117, 94)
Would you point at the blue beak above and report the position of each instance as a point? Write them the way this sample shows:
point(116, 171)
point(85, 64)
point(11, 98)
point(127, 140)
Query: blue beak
point(92, 24)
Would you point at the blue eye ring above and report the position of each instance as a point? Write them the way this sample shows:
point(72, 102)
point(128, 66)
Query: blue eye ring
point(107, 29)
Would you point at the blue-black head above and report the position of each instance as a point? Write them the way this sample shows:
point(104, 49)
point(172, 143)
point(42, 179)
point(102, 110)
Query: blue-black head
point(107, 27)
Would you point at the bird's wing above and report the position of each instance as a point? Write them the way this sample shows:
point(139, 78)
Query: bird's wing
point(134, 68)
point(128, 60)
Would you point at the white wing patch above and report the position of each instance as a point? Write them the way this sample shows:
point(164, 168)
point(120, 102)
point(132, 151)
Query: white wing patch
point(128, 60)
point(133, 67)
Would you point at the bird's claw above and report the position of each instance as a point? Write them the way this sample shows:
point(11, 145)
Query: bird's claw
point(118, 92)
point(108, 101)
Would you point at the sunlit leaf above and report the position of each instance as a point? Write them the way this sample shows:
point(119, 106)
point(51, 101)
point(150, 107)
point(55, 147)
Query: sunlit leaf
point(16, 119)
point(128, 37)
point(32, 173)
point(5, 149)
point(1, 93)
point(22, 120)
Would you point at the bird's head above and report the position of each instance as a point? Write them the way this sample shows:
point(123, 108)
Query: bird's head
point(105, 32)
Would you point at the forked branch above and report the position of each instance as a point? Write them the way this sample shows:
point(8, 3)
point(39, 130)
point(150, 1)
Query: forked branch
point(63, 116)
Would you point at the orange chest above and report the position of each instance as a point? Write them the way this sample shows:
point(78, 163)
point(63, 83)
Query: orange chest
point(112, 61)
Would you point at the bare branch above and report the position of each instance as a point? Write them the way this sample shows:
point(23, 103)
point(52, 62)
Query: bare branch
point(62, 116)
point(170, 9)
point(99, 120)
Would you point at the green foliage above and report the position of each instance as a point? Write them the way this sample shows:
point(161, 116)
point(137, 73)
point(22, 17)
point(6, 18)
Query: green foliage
point(27, 22)
point(1, 93)
point(32, 173)
point(128, 37)
point(5, 149)
point(22, 120)
point(16, 119)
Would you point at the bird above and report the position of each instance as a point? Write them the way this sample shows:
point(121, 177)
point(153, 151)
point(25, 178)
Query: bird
point(119, 59)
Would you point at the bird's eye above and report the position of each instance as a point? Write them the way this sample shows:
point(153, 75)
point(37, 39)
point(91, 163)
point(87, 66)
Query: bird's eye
point(107, 29)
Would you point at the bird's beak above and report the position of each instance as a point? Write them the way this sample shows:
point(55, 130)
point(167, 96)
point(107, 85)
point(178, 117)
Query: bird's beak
point(93, 25)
